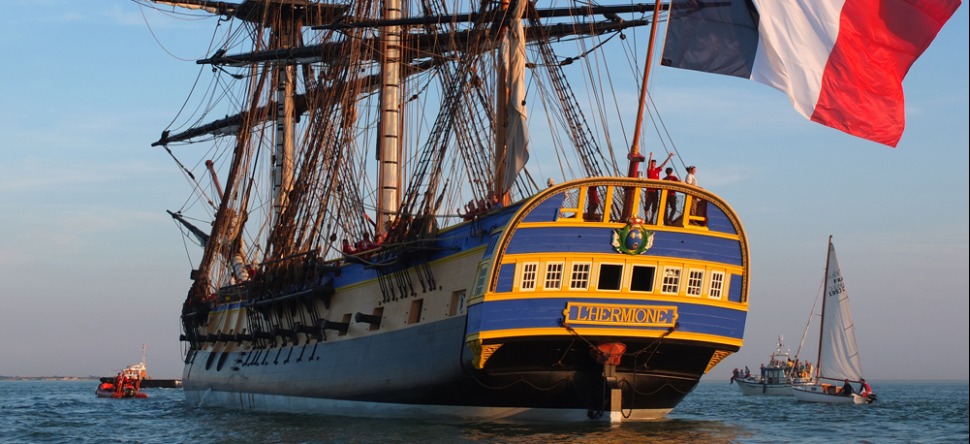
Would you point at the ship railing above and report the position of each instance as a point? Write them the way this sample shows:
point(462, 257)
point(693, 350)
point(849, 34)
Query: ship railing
point(653, 205)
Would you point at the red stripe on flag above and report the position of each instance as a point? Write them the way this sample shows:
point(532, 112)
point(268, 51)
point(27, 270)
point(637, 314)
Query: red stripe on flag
point(878, 41)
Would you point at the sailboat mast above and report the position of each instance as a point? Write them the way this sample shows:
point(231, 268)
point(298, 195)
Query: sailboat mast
point(635, 157)
point(389, 132)
point(825, 291)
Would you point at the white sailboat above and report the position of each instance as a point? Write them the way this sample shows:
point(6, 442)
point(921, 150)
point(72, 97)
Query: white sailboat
point(838, 355)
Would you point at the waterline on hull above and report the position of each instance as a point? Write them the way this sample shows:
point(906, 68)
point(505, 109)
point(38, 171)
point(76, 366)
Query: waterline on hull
point(383, 410)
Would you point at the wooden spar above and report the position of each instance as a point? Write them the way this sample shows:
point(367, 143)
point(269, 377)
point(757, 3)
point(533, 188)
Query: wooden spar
point(501, 114)
point(412, 47)
point(493, 15)
point(285, 127)
point(215, 177)
point(389, 131)
point(635, 156)
point(415, 46)
point(264, 11)
point(323, 17)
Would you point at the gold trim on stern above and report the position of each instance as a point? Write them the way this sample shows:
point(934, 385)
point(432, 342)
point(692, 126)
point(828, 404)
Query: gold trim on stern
point(481, 353)
point(718, 356)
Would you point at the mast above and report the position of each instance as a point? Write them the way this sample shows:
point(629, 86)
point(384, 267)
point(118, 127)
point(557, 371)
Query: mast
point(511, 135)
point(285, 121)
point(501, 111)
point(635, 156)
point(825, 291)
point(389, 132)
point(283, 150)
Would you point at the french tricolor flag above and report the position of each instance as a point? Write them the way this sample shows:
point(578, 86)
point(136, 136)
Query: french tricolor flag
point(841, 62)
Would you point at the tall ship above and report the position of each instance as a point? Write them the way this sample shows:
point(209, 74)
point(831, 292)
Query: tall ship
point(433, 209)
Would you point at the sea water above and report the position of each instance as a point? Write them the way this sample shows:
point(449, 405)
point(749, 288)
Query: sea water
point(715, 412)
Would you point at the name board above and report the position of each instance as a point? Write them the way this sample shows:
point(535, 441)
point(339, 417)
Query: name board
point(619, 315)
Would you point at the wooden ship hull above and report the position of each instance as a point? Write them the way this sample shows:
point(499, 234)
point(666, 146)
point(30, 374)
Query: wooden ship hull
point(538, 310)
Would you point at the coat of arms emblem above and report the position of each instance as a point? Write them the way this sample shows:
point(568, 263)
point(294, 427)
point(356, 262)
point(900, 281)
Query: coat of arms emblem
point(633, 238)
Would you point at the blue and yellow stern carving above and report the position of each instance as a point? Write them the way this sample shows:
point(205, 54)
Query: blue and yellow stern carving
point(633, 238)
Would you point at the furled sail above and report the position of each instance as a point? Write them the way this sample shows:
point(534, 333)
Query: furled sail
point(517, 135)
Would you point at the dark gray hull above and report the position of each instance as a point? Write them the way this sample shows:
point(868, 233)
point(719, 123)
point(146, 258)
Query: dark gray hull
point(431, 376)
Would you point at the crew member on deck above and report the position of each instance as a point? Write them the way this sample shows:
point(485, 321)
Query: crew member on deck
point(365, 244)
point(592, 204)
point(691, 179)
point(347, 248)
point(653, 195)
point(669, 219)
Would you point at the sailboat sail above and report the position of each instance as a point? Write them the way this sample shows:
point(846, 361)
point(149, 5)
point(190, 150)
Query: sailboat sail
point(838, 352)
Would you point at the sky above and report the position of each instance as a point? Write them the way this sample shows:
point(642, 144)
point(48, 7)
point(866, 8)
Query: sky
point(92, 268)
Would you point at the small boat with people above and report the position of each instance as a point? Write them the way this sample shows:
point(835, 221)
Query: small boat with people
point(838, 354)
point(124, 386)
point(127, 383)
point(776, 378)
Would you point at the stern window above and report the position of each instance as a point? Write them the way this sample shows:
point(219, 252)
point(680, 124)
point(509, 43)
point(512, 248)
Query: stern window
point(717, 284)
point(528, 281)
point(642, 278)
point(610, 277)
point(671, 281)
point(553, 276)
point(695, 283)
point(580, 277)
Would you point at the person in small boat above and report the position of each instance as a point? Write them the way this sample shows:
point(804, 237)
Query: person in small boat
point(846, 388)
point(864, 388)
